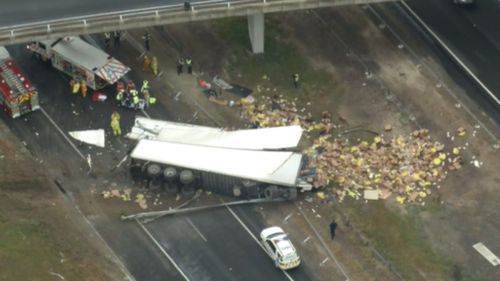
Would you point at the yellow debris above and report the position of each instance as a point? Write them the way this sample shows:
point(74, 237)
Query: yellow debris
point(321, 195)
point(436, 161)
point(461, 132)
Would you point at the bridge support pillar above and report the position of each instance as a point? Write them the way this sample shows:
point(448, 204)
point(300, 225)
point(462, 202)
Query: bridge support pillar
point(256, 30)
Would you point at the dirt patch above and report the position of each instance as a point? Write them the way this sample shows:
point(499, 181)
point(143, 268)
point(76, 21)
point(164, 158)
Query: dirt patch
point(366, 79)
point(41, 236)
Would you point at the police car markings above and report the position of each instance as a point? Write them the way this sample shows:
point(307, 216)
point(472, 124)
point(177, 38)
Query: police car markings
point(252, 235)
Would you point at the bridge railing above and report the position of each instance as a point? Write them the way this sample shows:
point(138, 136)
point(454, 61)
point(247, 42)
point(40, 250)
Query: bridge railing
point(127, 19)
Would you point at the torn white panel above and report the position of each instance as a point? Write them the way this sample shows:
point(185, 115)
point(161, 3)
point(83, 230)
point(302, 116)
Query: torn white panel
point(276, 167)
point(258, 139)
point(94, 137)
point(486, 253)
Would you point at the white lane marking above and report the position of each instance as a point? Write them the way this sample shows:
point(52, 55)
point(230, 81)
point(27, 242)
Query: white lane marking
point(63, 134)
point(196, 229)
point(323, 243)
point(162, 250)
point(487, 253)
point(448, 90)
point(450, 52)
point(253, 236)
point(122, 266)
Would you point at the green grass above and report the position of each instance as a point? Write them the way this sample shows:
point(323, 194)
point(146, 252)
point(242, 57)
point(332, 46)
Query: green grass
point(25, 251)
point(279, 61)
point(401, 240)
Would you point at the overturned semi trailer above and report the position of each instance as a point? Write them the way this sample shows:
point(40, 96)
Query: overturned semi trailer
point(243, 173)
point(274, 138)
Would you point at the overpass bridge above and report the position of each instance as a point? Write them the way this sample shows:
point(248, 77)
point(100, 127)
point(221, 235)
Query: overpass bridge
point(29, 20)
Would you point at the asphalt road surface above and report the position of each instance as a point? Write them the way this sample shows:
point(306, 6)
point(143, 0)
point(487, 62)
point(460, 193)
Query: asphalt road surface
point(473, 33)
point(211, 245)
point(30, 11)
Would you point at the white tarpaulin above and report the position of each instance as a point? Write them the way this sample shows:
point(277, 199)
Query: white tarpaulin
point(258, 139)
point(276, 167)
point(94, 137)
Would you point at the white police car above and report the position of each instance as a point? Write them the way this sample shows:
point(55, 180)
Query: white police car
point(279, 248)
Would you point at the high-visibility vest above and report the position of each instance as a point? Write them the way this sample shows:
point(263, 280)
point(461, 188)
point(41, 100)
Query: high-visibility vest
point(134, 93)
point(145, 86)
point(119, 96)
point(152, 100)
point(136, 100)
point(296, 77)
point(188, 62)
point(107, 35)
point(76, 87)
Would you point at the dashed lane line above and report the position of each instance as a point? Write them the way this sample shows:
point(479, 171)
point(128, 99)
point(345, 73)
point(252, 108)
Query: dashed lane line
point(323, 243)
point(196, 229)
point(172, 261)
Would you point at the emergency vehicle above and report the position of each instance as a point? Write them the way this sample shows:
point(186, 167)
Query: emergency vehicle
point(80, 60)
point(279, 248)
point(17, 95)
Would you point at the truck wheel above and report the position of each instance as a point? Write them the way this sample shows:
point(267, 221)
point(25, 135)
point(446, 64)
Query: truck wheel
point(153, 170)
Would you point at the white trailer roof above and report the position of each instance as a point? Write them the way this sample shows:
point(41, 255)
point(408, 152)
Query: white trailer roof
point(275, 167)
point(258, 139)
point(81, 53)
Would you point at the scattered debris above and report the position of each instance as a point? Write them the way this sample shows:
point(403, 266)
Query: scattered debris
point(371, 194)
point(461, 132)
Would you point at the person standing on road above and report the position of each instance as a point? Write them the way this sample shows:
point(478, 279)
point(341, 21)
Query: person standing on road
point(135, 101)
point(75, 86)
point(115, 123)
point(145, 86)
point(180, 65)
point(154, 66)
point(119, 97)
point(147, 37)
point(107, 39)
point(189, 64)
point(146, 64)
point(116, 38)
point(83, 88)
point(333, 227)
point(296, 78)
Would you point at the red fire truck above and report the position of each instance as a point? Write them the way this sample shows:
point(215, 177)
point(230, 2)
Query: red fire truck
point(17, 95)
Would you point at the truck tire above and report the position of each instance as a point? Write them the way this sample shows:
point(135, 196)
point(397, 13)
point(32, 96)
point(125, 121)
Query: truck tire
point(237, 191)
point(186, 177)
point(170, 174)
point(270, 192)
point(153, 171)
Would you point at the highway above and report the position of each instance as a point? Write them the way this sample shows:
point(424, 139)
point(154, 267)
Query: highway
point(211, 245)
point(35, 11)
point(472, 33)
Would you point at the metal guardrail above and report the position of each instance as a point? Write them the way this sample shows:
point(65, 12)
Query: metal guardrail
point(121, 20)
